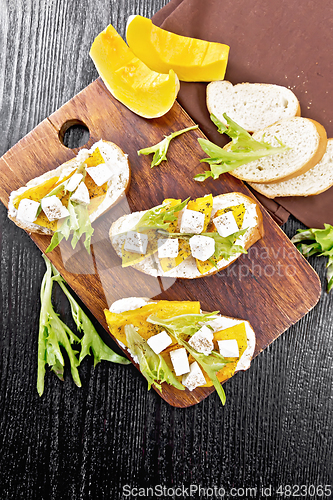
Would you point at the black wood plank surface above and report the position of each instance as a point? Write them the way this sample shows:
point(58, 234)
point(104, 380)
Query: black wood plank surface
point(111, 435)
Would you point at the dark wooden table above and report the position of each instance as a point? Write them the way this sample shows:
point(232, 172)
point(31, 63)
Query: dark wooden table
point(111, 435)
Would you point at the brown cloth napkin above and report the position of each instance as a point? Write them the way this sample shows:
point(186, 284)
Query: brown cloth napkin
point(286, 42)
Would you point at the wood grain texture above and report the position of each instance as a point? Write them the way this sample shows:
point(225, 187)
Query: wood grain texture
point(273, 274)
point(88, 443)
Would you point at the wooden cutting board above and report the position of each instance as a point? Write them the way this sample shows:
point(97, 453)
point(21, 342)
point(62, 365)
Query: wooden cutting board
point(272, 286)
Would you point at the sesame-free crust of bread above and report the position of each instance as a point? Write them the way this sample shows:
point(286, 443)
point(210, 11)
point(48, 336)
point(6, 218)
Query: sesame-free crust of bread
point(315, 181)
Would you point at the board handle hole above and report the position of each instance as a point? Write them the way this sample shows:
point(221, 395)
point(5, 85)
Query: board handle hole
point(74, 134)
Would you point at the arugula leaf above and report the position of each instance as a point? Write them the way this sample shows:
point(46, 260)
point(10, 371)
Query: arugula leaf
point(90, 340)
point(179, 326)
point(319, 242)
point(77, 223)
point(241, 139)
point(243, 149)
point(83, 226)
point(161, 216)
point(185, 324)
point(152, 365)
point(329, 273)
point(54, 334)
point(160, 149)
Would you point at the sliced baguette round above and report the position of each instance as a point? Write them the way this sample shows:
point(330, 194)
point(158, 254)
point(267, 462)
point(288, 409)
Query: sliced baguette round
point(307, 140)
point(117, 186)
point(219, 323)
point(253, 106)
point(314, 181)
point(188, 268)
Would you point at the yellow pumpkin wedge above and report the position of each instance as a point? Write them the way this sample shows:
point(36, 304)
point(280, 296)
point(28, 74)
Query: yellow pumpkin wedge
point(163, 309)
point(193, 60)
point(143, 91)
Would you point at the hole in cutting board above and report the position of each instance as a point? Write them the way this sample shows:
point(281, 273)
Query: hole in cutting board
point(74, 134)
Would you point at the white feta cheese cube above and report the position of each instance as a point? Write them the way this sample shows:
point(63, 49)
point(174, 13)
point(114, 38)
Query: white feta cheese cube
point(226, 224)
point(167, 247)
point(228, 348)
point(192, 222)
point(202, 340)
point(159, 342)
point(250, 217)
point(81, 194)
point(53, 208)
point(27, 210)
point(179, 361)
point(136, 242)
point(195, 378)
point(202, 247)
point(73, 182)
point(100, 174)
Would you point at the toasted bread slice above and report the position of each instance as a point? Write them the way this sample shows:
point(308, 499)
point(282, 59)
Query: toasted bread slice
point(115, 189)
point(188, 269)
point(253, 106)
point(315, 181)
point(218, 324)
point(307, 140)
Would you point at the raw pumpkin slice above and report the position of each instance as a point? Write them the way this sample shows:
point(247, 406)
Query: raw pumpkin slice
point(193, 60)
point(145, 92)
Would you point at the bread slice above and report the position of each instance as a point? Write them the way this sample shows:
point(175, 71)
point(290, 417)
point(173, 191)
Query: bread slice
point(188, 268)
point(219, 323)
point(307, 141)
point(116, 187)
point(253, 106)
point(314, 181)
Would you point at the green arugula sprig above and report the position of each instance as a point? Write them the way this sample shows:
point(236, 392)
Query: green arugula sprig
point(211, 363)
point(160, 217)
point(187, 325)
point(160, 150)
point(77, 223)
point(54, 334)
point(153, 367)
point(318, 242)
point(243, 149)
